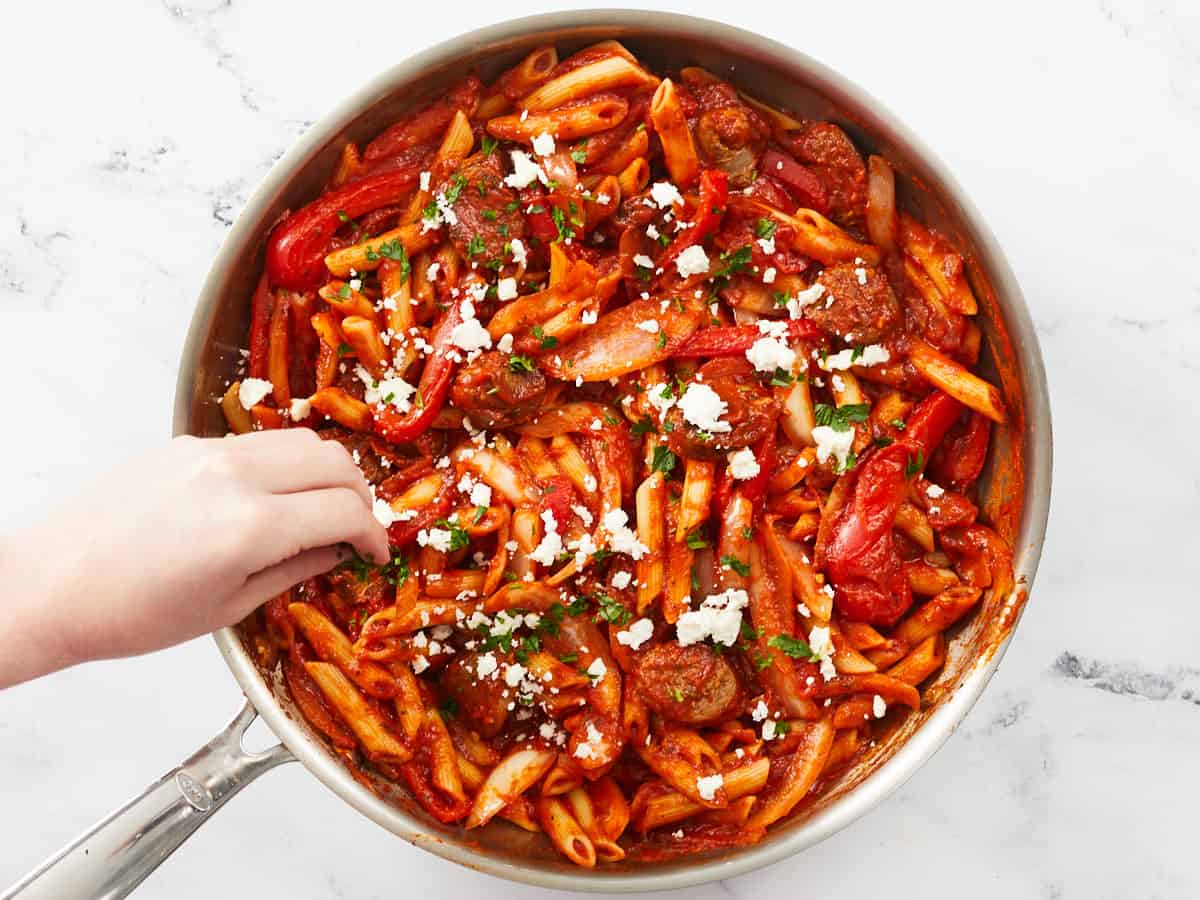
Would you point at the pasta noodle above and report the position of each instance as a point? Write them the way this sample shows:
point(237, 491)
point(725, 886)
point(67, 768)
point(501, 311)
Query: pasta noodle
point(675, 428)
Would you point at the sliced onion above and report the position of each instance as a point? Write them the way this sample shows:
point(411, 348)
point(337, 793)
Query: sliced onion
point(881, 203)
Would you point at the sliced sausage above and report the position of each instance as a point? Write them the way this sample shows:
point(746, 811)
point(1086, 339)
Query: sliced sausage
point(494, 394)
point(751, 412)
point(482, 702)
point(858, 304)
point(730, 134)
point(485, 217)
point(690, 684)
point(830, 153)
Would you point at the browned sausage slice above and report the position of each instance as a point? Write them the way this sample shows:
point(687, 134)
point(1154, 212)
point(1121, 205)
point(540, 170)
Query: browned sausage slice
point(858, 304)
point(690, 684)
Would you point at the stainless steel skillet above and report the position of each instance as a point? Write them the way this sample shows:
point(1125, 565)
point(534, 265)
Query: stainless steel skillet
point(114, 856)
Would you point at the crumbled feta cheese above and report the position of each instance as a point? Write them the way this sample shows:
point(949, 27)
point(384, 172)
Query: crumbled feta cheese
point(641, 259)
point(425, 176)
point(518, 251)
point(692, 261)
point(437, 538)
point(543, 144)
point(768, 730)
point(870, 355)
point(760, 711)
point(486, 665)
point(665, 194)
point(513, 673)
point(708, 785)
point(650, 326)
point(589, 317)
point(768, 354)
point(767, 245)
point(806, 297)
point(395, 391)
point(384, 514)
point(597, 669)
point(621, 539)
point(481, 495)
point(300, 409)
point(821, 644)
point(636, 634)
point(878, 707)
point(837, 443)
point(769, 275)
point(551, 545)
point(525, 170)
point(504, 345)
point(621, 579)
point(506, 289)
point(652, 232)
point(588, 749)
point(432, 272)
point(470, 335)
point(252, 391)
point(703, 407)
point(935, 490)
point(719, 617)
point(661, 398)
point(861, 274)
point(742, 464)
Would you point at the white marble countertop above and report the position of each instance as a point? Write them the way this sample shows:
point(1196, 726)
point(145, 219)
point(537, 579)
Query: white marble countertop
point(134, 131)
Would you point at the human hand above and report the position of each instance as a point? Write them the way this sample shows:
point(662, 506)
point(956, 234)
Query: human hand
point(187, 539)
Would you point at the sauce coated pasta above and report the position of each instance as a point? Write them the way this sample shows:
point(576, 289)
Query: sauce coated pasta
point(671, 416)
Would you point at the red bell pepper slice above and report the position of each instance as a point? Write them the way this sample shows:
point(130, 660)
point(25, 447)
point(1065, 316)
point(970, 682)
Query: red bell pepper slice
point(297, 246)
point(960, 458)
point(705, 220)
point(397, 427)
point(734, 340)
point(540, 224)
point(558, 496)
point(861, 558)
point(401, 534)
point(261, 307)
point(754, 489)
point(803, 181)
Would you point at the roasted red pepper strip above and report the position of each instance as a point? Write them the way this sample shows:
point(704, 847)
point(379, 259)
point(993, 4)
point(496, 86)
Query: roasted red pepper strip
point(861, 557)
point(558, 496)
point(705, 220)
point(803, 182)
point(734, 340)
point(401, 534)
point(261, 307)
point(297, 247)
point(397, 427)
point(755, 489)
point(540, 224)
point(959, 460)
point(928, 423)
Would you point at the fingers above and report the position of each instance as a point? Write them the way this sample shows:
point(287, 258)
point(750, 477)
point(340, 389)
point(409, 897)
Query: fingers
point(270, 582)
point(325, 517)
point(301, 461)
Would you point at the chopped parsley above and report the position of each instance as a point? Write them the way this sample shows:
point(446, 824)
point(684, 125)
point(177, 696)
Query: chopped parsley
point(547, 342)
point(458, 534)
point(520, 364)
point(781, 378)
point(898, 424)
point(488, 144)
point(914, 466)
point(697, 541)
point(612, 611)
point(765, 228)
point(579, 153)
point(663, 461)
point(645, 426)
point(796, 648)
point(732, 562)
point(733, 262)
point(475, 246)
point(839, 417)
point(344, 349)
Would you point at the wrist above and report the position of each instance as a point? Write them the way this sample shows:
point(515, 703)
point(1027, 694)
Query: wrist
point(37, 638)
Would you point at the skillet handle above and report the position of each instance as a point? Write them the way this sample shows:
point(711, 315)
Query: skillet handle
point(113, 857)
